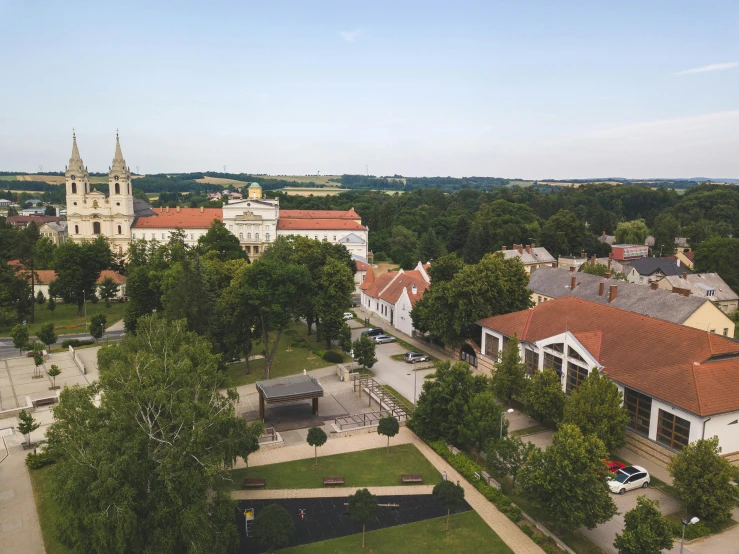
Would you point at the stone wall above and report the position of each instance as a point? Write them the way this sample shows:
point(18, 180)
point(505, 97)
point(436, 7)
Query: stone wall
point(648, 448)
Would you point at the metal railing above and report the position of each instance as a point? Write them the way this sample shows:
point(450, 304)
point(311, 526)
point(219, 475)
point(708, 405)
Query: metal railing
point(387, 401)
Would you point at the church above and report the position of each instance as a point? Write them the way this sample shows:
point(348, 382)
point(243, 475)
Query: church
point(256, 221)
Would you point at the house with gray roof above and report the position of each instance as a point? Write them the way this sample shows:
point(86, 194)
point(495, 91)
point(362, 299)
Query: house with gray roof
point(644, 271)
point(692, 311)
point(532, 257)
point(709, 286)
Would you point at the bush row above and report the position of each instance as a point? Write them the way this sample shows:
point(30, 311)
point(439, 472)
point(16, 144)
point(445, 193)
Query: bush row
point(37, 461)
point(694, 531)
point(76, 342)
point(333, 357)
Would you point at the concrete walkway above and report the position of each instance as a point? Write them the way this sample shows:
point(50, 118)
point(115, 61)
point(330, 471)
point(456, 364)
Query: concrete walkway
point(508, 531)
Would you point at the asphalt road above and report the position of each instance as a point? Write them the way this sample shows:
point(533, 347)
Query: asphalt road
point(7, 350)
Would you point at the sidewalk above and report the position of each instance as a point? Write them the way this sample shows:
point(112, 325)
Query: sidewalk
point(508, 531)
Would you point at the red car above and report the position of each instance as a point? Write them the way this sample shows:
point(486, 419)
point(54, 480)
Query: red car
point(613, 467)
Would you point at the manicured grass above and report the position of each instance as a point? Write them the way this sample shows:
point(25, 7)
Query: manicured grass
point(285, 363)
point(48, 511)
point(367, 468)
point(65, 315)
point(467, 533)
point(408, 404)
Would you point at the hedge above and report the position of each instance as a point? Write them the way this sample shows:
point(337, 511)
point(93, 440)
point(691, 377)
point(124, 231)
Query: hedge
point(334, 357)
point(37, 461)
point(76, 342)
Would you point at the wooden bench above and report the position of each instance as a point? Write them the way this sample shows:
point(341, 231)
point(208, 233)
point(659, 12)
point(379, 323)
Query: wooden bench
point(254, 483)
point(333, 480)
point(411, 478)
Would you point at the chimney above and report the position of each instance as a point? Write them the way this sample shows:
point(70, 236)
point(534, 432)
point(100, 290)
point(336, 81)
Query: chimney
point(528, 249)
point(167, 209)
point(604, 234)
point(612, 292)
point(518, 248)
point(609, 261)
point(533, 245)
point(601, 288)
point(414, 290)
point(685, 275)
point(654, 285)
point(202, 209)
point(583, 254)
point(573, 269)
point(504, 248)
point(178, 209)
point(607, 275)
point(573, 282)
point(555, 265)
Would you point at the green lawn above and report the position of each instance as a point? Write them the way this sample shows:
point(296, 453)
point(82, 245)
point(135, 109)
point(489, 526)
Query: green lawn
point(367, 468)
point(65, 315)
point(285, 363)
point(467, 533)
point(48, 512)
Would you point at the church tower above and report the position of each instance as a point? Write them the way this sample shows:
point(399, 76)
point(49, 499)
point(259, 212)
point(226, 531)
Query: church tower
point(78, 185)
point(120, 198)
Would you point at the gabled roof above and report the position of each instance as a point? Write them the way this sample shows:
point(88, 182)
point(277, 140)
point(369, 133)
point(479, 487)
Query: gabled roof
point(650, 355)
point(379, 284)
point(362, 266)
point(185, 218)
point(320, 214)
point(700, 283)
point(37, 219)
point(351, 238)
point(319, 225)
point(48, 276)
point(369, 279)
point(406, 280)
point(650, 266)
point(537, 255)
point(660, 303)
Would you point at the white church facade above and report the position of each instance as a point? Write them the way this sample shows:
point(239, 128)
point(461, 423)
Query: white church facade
point(256, 221)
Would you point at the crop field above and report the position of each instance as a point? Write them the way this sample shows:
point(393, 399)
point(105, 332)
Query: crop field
point(315, 191)
point(221, 181)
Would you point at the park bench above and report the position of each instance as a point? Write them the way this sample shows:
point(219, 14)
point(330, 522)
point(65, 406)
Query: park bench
point(254, 483)
point(411, 478)
point(333, 480)
point(45, 401)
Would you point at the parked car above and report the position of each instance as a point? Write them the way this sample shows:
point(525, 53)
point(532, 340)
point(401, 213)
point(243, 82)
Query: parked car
point(373, 332)
point(348, 316)
point(629, 478)
point(413, 357)
point(613, 467)
point(382, 339)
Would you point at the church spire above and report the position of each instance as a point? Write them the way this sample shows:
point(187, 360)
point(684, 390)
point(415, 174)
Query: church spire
point(118, 162)
point(75, 162)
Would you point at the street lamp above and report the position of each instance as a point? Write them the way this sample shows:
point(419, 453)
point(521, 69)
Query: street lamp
point(693, 521)
point(510, 411)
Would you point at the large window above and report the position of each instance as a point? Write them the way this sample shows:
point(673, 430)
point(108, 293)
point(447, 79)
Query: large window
point(95, 227)
point(531, 359)
point(553, 362)
point(640, 410)
point(575, 376)
point(673, 431)
point(491, 346)
point(574, 355)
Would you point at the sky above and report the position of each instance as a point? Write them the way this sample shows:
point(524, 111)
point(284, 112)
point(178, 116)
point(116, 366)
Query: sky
point(516, 89)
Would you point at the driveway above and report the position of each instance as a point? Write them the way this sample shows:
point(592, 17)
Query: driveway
point(399, 375)
point(604, 535)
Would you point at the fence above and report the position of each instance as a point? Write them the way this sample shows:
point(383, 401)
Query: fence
point(79, 363)
point(385, 399)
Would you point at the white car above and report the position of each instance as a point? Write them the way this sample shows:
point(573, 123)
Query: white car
point(348, 316)
point(628, 478)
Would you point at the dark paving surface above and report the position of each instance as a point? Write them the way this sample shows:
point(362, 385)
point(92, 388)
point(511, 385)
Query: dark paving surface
point(327, 518)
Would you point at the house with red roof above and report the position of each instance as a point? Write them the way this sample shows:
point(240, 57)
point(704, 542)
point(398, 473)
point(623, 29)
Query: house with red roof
point(679, 384)
point(392, 295)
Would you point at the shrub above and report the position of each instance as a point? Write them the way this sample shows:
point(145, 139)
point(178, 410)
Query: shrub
point(75, 343)
point(380, 256)
point(527, 530)
point(333, 357)
point(37, 461)
point(694, 531)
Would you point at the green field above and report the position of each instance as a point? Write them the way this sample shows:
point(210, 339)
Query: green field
point(65, 315)
point(285, 362)
point(48, 511)
point(467, 533)
point(367, 468)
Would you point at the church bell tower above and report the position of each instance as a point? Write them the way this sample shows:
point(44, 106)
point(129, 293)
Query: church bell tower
point(120, 197)
point(78, 185)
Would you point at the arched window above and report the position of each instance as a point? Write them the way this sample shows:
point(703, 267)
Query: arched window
point(76, 229)
point(74, 188)
point(241, 236)
point(117, 188)
point(119, 229)
point(95, 227)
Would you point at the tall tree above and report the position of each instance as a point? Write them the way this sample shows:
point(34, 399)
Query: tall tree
point(564, 233)
point(78, 266)
point(107, 290)
point(27, 425)
point(273, 527)
point(186, 294)
point(544, 398)
point(364, 351)
point(719, 255)
point(27, 255)
point(596, 408)
point(568, 480)
point(19, 333)
point(46, 334)
point(449, 309)
point(482, 421)
point(632, 232)
point(666, 227)
point(508, 455)
point(646, 531)
point(221, 240)
point(363, 508)
point(15, 295)
point(703, 478)
point(335, 288)
point(404, 247)
point(445, 268)
point(450, 495)
point(431, 247)
point(97, 325)
point(142, 455)
point(509, 379)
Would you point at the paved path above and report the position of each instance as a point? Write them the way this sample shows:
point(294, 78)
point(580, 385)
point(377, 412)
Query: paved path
point(508, 531)
point(330, 492)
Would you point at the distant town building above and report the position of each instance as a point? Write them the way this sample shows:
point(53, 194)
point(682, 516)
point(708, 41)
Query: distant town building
point(709, 286)
point(532, 256)
point(644, 271)
point(623, 252)
point(55, 231)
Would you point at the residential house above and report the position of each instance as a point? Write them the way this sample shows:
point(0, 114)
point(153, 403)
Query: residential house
point(683, 259)
point(704, 285)
point(682, 244)
point(650, 270)
point(625, 252)
point(567, 262)
point(26, 220)
point(4, 203)
point(679, 384)
point(392, 295)
point(44, 278)
point(532, 256)
point(693, 311)
point(55, 231)
point(362, 269)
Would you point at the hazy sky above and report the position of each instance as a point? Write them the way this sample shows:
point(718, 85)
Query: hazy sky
point(548, 89)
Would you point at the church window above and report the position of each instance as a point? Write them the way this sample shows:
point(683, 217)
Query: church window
point(76, 229)
point(241, 236)
point(117, 187)
point(248, 236)
point(256, 236)
point(95, 227)
point(119, 229)
point(74, 188)
point(315, 237)
point(192, 236)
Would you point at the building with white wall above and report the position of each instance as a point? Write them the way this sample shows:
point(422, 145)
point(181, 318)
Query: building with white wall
point(679, 384)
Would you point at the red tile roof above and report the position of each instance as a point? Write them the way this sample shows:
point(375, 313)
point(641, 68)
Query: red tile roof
point(369, 279)
point(379, 283)
point(319, 214)
point(320, 224)
point(47, 276)
point(405, 281)
point(361, 266)
point(38, 219)
point(650, 355)
point(186, 218)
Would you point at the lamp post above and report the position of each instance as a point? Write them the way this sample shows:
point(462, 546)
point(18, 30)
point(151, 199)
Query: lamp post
point(415, 378)
point(509, 411)
point(84, 303)
point(693, 521)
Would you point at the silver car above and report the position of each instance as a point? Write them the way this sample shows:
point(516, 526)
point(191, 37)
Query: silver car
point(382, 339)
